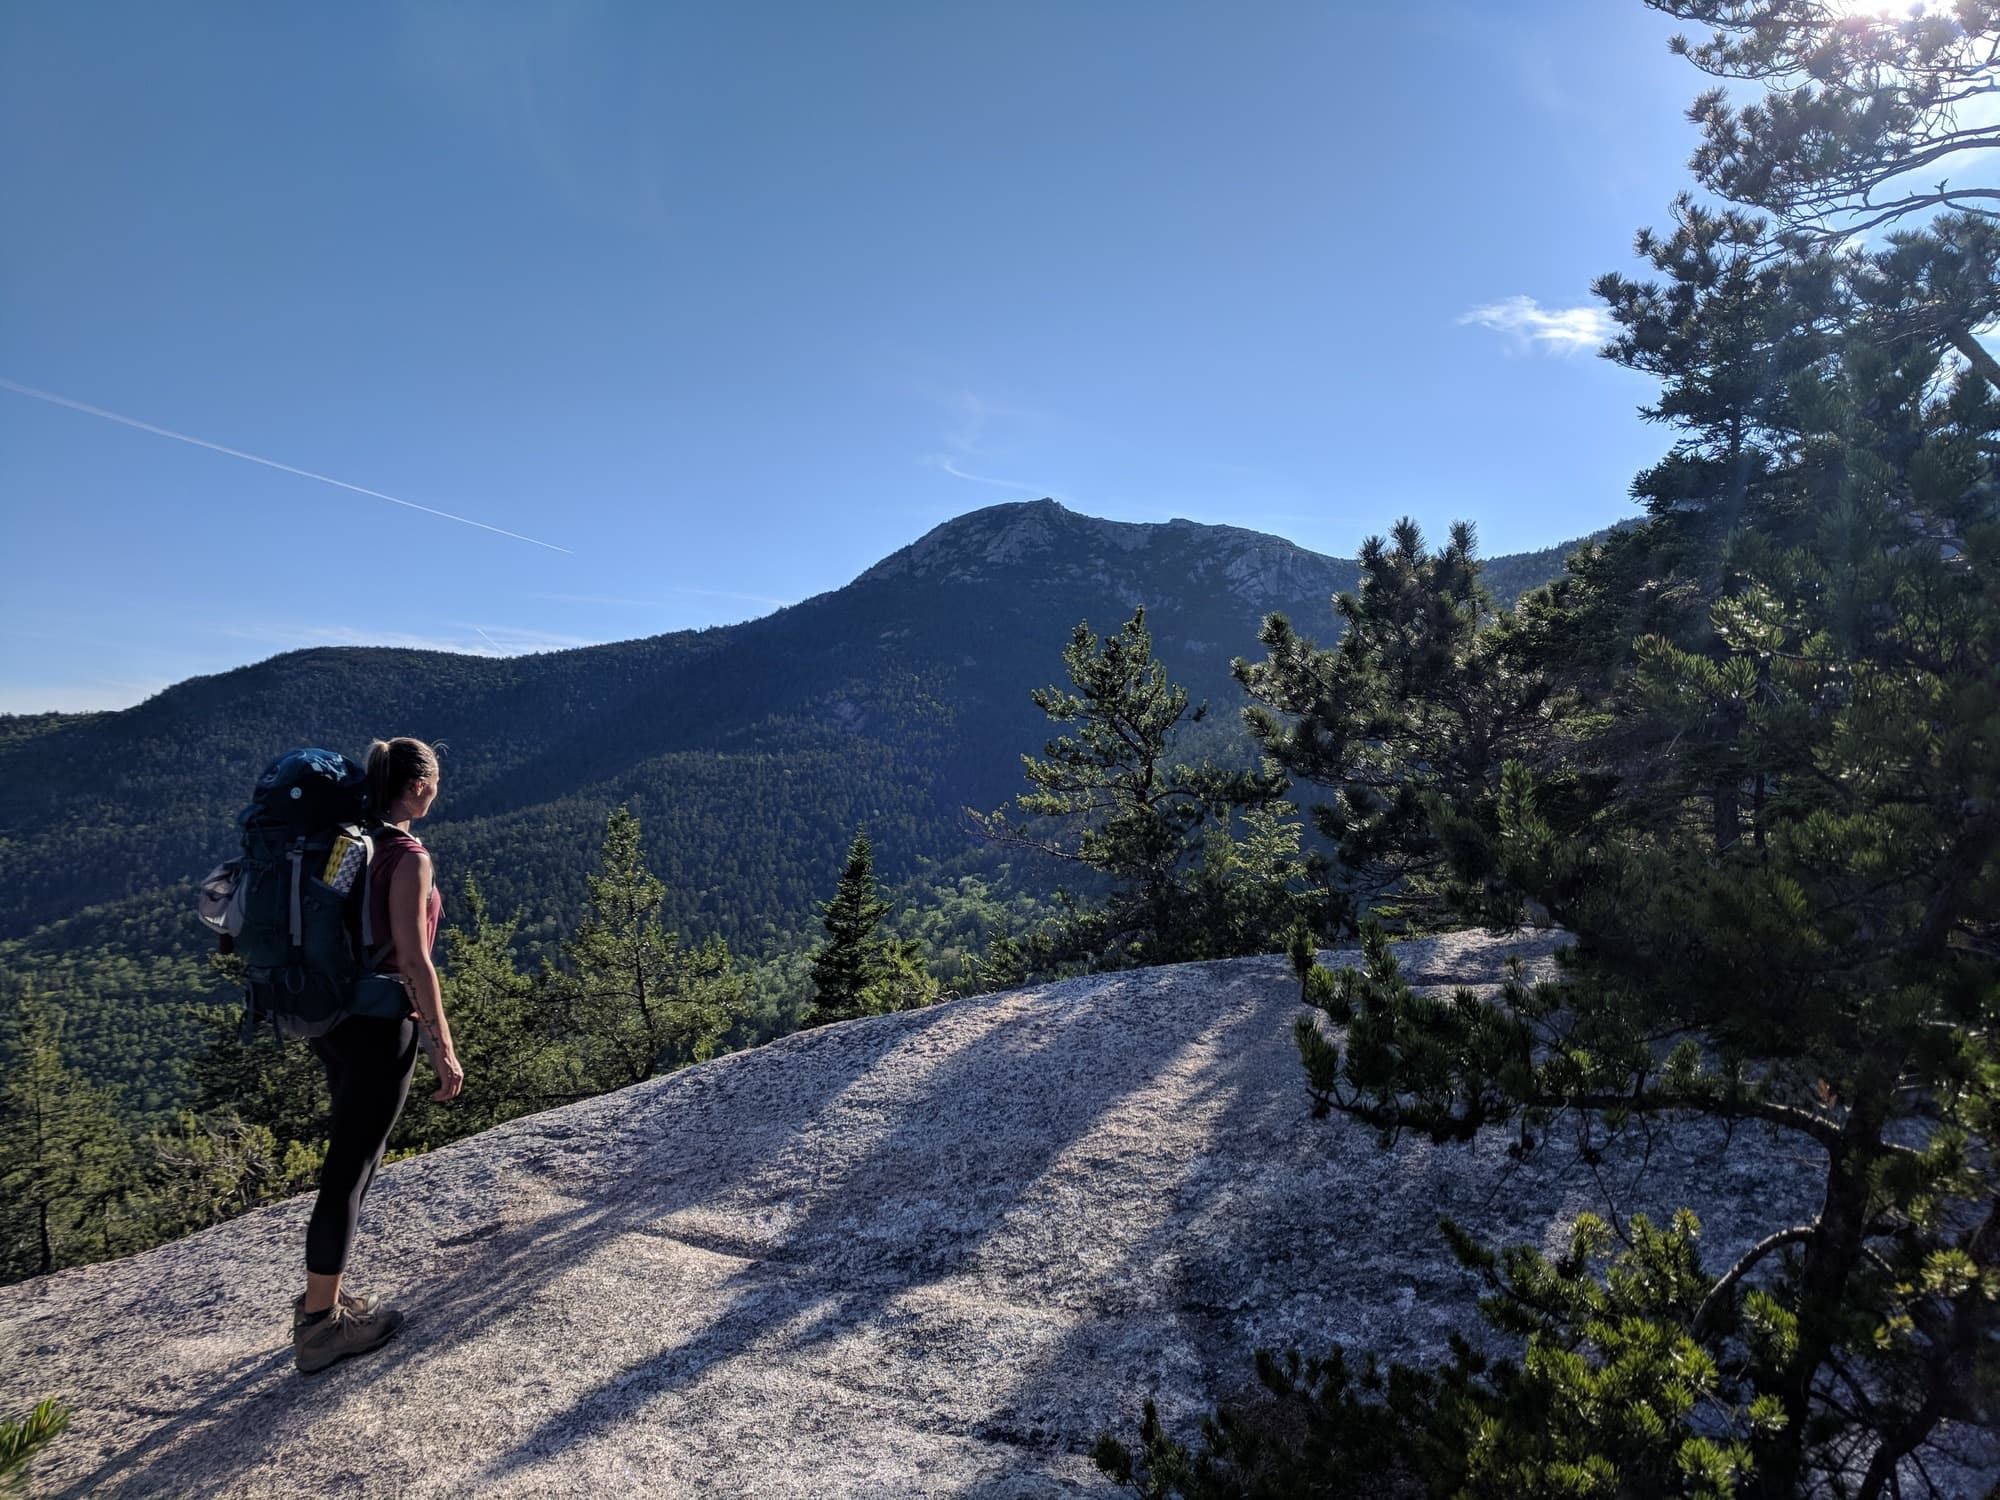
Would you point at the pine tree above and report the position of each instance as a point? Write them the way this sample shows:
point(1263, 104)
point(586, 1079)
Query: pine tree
point(906, 981)
point(65, 1160)
point(1003, 964)
point(1255, 885)
point(512, 1064)
point(1866, 115)
point(632, 999)
point(1414, 703)
point(1112, 798)
point(849, 967)
point(861, 970)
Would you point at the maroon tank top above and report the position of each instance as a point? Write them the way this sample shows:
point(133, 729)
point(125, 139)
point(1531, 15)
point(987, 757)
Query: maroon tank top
point(392, 847)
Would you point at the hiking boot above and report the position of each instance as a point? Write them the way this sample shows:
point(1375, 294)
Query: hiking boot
point(359, 1303)
point(340, 1334)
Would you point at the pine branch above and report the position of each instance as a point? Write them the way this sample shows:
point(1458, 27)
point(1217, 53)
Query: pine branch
point(1718, 1294)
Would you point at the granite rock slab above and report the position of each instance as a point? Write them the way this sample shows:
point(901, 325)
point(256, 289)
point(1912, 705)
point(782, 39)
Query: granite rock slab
point(930, 1254)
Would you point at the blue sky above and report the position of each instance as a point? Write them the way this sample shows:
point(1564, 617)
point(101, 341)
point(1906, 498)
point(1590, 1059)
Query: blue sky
point(731, 301)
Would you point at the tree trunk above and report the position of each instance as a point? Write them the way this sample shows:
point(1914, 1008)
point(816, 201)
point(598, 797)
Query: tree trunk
point(1728, 814)
point(1976, 355)
point(1831, 1255)
point(652, 1058)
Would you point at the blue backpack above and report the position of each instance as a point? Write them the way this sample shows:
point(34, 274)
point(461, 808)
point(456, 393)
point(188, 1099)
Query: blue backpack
point(294, 906)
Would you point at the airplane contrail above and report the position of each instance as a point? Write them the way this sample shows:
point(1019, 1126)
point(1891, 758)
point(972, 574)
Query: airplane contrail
point(269, 463)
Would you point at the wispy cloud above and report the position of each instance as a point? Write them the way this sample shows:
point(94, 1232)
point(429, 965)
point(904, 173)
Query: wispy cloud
point(967, 446)
point(942, 461)
point(270, 463)
point(1555, 330)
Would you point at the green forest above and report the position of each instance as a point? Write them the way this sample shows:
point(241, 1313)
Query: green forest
point(1744, 752)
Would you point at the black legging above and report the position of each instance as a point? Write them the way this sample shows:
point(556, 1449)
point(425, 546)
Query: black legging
point(369, 1061)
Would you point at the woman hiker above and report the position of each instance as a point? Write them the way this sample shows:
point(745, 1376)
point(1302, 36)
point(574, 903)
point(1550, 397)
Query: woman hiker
point(369, 1060)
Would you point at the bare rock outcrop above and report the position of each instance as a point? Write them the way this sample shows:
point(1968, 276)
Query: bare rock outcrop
point(1250, 567)
point(928, 1254)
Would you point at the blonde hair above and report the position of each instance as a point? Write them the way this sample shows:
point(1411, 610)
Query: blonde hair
point(392, 766)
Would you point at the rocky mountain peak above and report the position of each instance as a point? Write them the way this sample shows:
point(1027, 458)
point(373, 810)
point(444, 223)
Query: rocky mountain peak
point(1046, 538)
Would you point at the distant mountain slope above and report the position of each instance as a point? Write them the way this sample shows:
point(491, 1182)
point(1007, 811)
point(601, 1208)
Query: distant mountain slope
point(750, 751)
point(930, 654)
point(16, 729)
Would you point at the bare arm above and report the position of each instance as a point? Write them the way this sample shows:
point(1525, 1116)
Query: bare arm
point(409, 904)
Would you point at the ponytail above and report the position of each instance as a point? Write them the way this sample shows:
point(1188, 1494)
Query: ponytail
point(392, 766)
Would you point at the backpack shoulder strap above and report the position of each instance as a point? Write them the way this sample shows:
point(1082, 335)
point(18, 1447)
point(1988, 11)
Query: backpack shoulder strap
point(367, 843)
point(390, 845)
